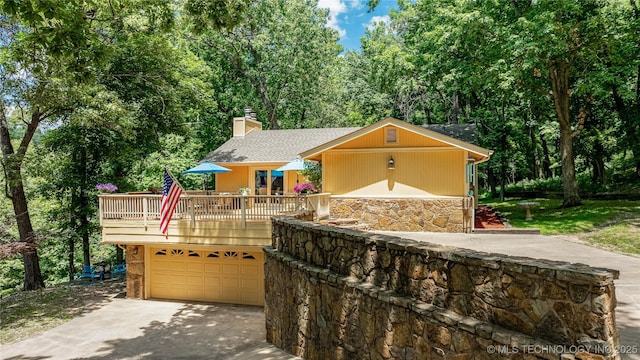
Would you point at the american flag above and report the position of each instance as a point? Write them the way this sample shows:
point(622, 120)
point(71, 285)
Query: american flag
point(171, 192)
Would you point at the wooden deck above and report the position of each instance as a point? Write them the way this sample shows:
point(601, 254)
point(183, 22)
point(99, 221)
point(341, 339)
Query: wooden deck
point(145, 208)
point(199, 219)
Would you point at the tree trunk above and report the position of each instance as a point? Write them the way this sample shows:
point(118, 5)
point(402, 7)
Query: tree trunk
point(546, 158)
point(12, 163)
point(72, 265)
point(503, 163)
point(83, 212)
point(561, 93)
point(491, 179)
point(84, 229)
point(599, 174)
point(455, 108)
point(119, 255)
point(503, 148)
point(534, 159)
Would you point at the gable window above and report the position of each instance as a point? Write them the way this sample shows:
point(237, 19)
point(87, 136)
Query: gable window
point(390, 135)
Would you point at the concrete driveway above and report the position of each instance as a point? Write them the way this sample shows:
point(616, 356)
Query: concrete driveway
point(137, 329)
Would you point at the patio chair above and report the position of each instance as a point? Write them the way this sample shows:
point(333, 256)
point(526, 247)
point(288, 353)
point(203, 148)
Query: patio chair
point(119, 270)
point(89, 272)
point(103, 268)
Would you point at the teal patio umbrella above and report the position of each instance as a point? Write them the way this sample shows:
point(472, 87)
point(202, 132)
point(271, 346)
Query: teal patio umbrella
point(297, 165)
point(206, 168)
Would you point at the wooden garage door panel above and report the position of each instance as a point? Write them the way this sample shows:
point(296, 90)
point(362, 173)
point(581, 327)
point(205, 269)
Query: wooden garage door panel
point(178, 266)
point(176, 279)
point(249, 270)
point(229, 283)
point(195, 281)
point(230, 268)
point(210, 275)
point(249, 283)
point(212, 268)
point(195, 267)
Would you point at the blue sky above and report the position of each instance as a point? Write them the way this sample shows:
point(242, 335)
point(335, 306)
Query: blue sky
point(350, 18)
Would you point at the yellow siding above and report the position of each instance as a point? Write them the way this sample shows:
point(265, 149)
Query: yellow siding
point(181, 232)
point(242, 176)
point(416, 173)
point(233, 180)
point(290, 181)
point(375, 139)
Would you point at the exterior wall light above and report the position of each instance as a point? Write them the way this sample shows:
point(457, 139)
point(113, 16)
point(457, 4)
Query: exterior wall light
point(392, 164)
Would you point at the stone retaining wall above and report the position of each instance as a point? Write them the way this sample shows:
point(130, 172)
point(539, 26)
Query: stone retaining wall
point(344, 294)
point(433, 215)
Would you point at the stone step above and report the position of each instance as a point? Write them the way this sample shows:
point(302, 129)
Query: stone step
point(531, 231)
point(339, 222)
point(363, 227)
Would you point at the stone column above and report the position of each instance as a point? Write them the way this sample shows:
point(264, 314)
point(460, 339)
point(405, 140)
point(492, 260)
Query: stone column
point(135, 271)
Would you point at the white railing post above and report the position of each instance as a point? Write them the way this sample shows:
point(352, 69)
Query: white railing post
point(192, 211)
point(243, 211)
point(145, 210)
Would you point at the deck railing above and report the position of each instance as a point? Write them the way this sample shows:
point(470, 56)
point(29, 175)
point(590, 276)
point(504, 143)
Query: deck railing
point(146, 207)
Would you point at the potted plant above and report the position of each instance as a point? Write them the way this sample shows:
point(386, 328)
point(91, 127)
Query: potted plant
point(244, 191)
point(106, 188)
point(304, 188)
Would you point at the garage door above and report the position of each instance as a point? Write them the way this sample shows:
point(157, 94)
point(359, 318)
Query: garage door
point(220, 274)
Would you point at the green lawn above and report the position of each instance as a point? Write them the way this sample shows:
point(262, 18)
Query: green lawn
point(612, 224)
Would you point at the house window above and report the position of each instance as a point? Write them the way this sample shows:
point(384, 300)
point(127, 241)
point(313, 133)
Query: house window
point(390, 136)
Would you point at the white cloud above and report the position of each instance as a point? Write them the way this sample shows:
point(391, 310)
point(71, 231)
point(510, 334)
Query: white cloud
point(356, 4)
point(376, 19)
point(336, 7)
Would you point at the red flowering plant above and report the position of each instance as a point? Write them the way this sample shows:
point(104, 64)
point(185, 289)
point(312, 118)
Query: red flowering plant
point(305, 188)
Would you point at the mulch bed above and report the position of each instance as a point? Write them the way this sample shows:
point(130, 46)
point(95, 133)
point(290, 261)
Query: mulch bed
point(486, 218)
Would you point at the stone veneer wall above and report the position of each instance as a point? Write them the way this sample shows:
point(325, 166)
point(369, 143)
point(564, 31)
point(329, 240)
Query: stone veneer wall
point(407, 214)
point(135, 271)
point(345, 294)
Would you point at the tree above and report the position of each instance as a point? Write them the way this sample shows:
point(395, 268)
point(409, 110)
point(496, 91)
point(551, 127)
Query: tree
point(282, 50)
point(36, 53)
point(541, 49)
point(622, 72)
point(558, 42)
point(49, 50)
point(147, 90)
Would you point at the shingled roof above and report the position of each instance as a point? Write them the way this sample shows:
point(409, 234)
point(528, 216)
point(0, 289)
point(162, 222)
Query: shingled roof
point(284, 145)
point(464, 132)
point(273, 145)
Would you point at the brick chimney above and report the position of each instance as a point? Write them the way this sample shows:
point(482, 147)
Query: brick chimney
point(243, 125)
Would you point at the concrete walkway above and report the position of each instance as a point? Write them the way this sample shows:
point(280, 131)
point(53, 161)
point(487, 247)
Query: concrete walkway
point(138, 329)
point(562, 249)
